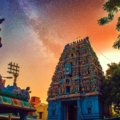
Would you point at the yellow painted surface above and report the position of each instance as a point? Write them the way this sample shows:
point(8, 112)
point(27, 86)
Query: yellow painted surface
point(42, 108)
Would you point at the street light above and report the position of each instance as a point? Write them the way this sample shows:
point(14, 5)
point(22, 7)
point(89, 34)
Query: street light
point(8, 77)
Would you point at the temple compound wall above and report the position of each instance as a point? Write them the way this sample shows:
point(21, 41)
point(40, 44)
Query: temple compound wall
point(75, 90)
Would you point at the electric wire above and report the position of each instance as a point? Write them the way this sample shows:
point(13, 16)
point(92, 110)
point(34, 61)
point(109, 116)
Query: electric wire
point(102, 54)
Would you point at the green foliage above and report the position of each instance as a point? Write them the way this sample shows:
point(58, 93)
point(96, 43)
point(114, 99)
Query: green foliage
point(118, 25)
point(116, 44)
point(117, 109)
point(110, 16)
point(103, 21)
point(111, 86)
point(111, 7)
point(106, 20)
point(112, 67)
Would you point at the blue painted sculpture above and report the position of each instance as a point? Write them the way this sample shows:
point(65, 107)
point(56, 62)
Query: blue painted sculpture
point(17, 90)
point(75, 90)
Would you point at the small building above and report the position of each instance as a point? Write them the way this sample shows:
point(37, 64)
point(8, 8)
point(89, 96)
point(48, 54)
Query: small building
point(41, 108)
point(41, 111)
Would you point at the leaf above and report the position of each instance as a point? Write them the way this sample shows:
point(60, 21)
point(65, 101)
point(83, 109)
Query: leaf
point(118, 24)
point(110, 16)
point(110, 7)
point(103, 21)
point(116, 44)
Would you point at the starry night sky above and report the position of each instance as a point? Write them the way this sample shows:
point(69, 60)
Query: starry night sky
point(36, 31)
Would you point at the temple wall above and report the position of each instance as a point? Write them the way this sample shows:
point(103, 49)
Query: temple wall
point(76, 84)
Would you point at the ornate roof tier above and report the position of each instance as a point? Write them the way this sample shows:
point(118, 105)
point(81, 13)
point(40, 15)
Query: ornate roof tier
point(78, 72)
point(11, 105)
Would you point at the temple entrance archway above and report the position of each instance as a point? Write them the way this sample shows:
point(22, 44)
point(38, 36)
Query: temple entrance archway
point(71, 110)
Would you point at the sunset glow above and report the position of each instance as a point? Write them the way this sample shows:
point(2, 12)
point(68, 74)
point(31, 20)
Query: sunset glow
point(35, 32)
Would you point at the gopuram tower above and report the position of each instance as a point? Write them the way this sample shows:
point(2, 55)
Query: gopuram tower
point(75, 90)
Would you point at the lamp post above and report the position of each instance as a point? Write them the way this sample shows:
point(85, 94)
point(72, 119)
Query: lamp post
point(1, 20)
point(13, 69)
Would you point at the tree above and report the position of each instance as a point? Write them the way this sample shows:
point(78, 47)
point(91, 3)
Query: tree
point(112, 7)
point(111, 86)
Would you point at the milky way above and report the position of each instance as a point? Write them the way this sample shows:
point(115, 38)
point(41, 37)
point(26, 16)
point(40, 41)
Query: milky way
point(46, 37)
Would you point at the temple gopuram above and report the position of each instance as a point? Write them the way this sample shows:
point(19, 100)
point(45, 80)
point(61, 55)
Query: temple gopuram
point(75, 89)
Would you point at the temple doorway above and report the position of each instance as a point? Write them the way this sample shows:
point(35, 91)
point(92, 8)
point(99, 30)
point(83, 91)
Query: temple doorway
point(71, 110)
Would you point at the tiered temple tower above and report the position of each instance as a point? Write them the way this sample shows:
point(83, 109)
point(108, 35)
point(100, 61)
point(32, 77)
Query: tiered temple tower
point(75, 90)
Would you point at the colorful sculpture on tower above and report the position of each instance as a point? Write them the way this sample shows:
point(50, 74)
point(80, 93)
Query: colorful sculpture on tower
point(13, 99)
point(76, 84)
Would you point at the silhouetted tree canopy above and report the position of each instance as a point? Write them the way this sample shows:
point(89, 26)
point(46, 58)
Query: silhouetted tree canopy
point(111, 86)
point(112, 7)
